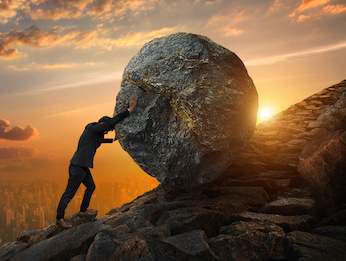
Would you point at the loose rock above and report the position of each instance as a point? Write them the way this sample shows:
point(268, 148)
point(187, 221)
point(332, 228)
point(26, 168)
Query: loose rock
point(290, 207)
point(305, 246)
point(102, 248)
point(193, 243)
point(252, 240)
point(62, 246)
point(26, 235)
point(288, 223)
point(8, 250)
point(189, 219)
point(335, 232)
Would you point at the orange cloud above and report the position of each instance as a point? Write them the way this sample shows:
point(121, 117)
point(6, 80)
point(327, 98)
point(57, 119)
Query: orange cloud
point(97, 8)
point(140, 38)
point(66, 65)
point(17, 132)
point(56, 10)
point(334, 9)
point(277, 5)
point(15, 68)
point(311, 3)
point(104, 9)
point(81, 39)
point(305, 5)
point(232, 31)
point(301, 18)
point(8, 9)
point(34, 37)
point(92, 39)
point(55, 14)
point(121, 7)
point(226, 23)
point(232, 18)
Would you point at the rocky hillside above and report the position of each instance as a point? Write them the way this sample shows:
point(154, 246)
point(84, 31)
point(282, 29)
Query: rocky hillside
point(259, 209)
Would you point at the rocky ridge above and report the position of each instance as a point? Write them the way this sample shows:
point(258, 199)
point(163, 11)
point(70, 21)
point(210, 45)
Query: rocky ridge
point(259, 209)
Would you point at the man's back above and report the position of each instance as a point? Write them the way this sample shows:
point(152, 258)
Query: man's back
point(88, 143)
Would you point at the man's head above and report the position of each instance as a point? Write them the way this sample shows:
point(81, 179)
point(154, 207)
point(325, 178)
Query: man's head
point(105, 119)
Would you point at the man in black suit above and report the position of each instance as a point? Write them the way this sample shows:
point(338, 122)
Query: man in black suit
point(82, 160)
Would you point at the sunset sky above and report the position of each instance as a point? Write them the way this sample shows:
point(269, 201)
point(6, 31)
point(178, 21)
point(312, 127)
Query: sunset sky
point(61, 64)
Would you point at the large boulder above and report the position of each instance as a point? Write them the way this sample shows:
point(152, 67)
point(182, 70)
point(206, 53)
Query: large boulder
point(197, 109)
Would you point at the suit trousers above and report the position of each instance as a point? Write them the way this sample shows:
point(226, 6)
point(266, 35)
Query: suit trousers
point(77, 175)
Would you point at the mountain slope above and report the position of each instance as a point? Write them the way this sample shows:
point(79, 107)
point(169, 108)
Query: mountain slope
point(260, 208)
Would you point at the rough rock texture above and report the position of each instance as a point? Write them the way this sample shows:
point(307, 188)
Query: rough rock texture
point(305, 246)
point(334, 118)
point(323, 160)
point(197, 109)
point(325, 169)
point(35, 236)
point(102, 248)
point(336, 232)
point(193, 243)
point(290, 206)
point(63, 246)
point(263, 178)
point(288, 223)
point(10, 249)
point(249, 241)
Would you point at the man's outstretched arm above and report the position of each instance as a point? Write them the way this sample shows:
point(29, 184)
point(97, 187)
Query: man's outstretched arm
point(102, 127)
point(116, 137)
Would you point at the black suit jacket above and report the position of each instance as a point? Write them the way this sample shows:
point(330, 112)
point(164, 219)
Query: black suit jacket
point(91, 139)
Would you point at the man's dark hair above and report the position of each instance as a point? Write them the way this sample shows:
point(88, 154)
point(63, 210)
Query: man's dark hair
point(104, 119)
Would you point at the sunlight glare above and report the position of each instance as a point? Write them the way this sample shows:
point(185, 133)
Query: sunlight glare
point(265, 113)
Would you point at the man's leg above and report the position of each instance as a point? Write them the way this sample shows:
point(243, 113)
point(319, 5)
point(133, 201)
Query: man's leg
point(90, 188)
point(76, 176)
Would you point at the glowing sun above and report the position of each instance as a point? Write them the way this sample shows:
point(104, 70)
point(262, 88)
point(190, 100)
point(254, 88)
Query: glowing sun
point(265, 113)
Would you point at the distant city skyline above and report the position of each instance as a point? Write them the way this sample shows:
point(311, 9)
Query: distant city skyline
point(29, 206)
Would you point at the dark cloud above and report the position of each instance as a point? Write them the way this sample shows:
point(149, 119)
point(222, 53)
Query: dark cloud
point(58, 9)
point(9, 153)
point(35, 37)
point(17, 132)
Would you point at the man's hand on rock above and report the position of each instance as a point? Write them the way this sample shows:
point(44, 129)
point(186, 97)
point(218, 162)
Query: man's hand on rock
point(116, 137)
point(133, 102)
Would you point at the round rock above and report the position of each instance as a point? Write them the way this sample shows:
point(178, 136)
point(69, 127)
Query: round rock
point(196, 110)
